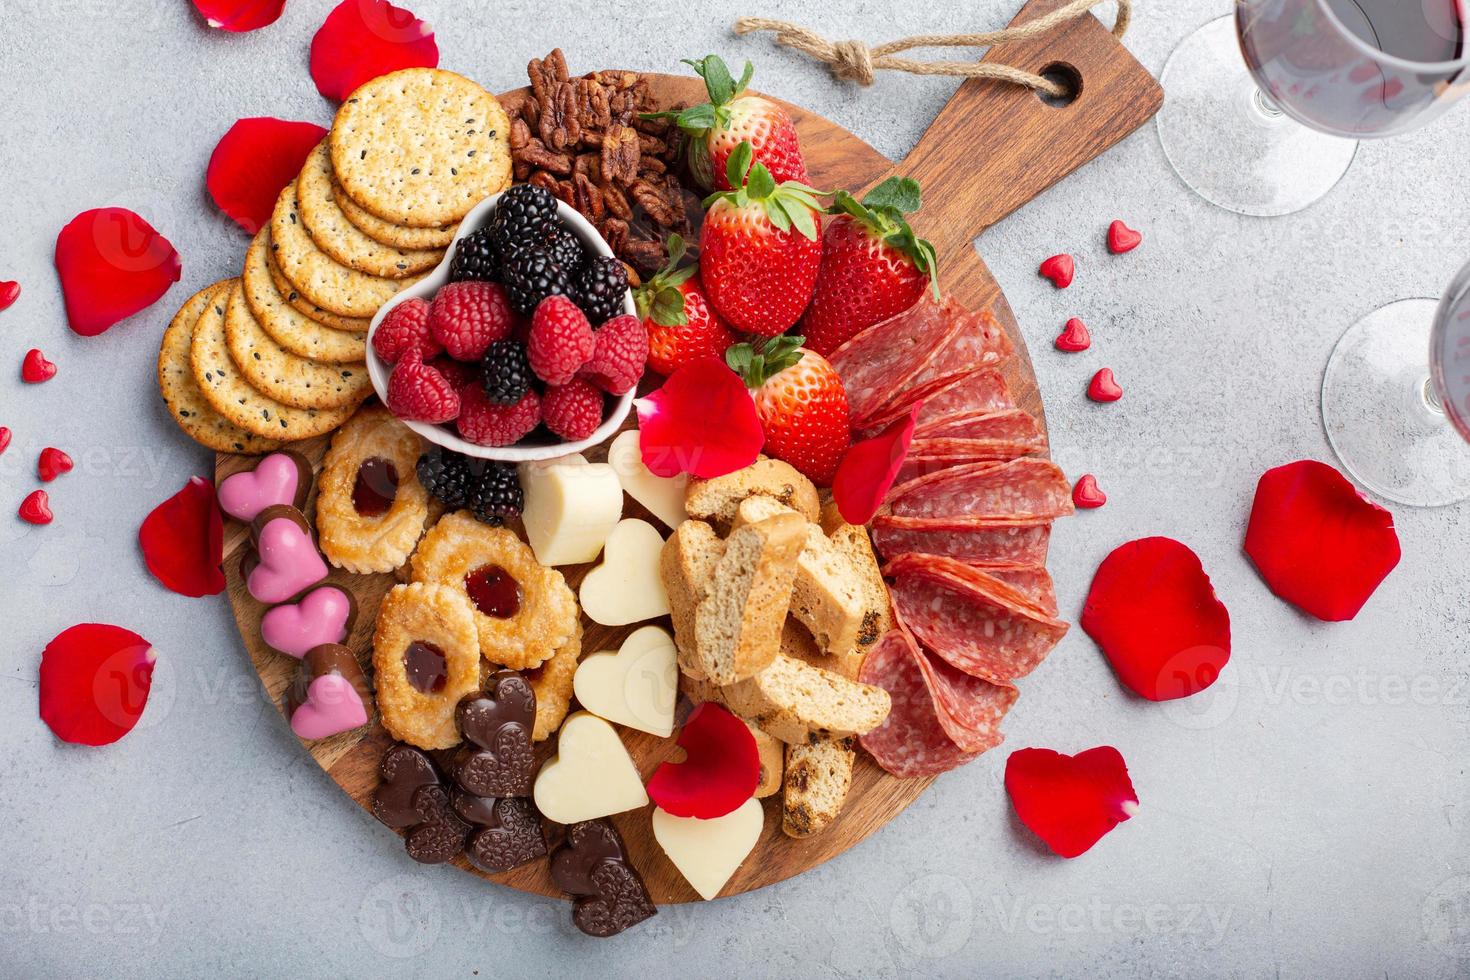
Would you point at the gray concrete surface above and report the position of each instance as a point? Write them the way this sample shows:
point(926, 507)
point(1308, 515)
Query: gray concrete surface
point(1307, 817)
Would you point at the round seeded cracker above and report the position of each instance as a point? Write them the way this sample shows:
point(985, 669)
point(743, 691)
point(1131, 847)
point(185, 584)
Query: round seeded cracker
point(399, 236)
point(181, 392)
point(285, 324)
point(421, 147)
point(275, 371)
point(299, 303)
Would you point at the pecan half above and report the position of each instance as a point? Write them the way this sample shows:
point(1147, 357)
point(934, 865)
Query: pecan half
point(620, 155)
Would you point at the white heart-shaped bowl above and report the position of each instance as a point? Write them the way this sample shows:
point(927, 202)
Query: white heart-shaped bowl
point(425, 289)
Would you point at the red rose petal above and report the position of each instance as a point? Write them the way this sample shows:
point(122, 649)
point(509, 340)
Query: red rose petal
point(1319, 543)
point(53, 463)
point(1104, 387)
point(1074, 337)
point(721, 770)
point(1070, 801)
point(112, 264)
point(1121, 238)
point(36, 508)
point(1059, 269)
point(362, 39)
point(253, 161)
point(1153, 612)
point(183, 541)
point(4, 438)
point(34, 368)
point(9, 293)
point(240, 15)
point(94, 683)
point(702, 422)
point(1087, 494)
point(867, 472)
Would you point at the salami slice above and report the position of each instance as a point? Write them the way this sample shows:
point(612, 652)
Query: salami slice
point(971, 619)
point(1032, 581)
point(879, 363)
point(978, 342)
point(973, 450)
point(1011, 424)
point(912, 742)
point(1014, 542)
point(1021, 488)
point(970, 708)
point(982, 391)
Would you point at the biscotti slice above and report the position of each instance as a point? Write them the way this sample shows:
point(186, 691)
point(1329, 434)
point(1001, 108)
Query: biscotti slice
point(797, 643)
point(737, 624)
point(772, 755)
point(827, 594)
point(716, 500)
point(799, 703)
point(852, 542)
point(686, 565)
point(818, 776)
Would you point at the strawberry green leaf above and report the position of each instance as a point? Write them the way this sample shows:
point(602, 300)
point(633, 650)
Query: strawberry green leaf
point(668, 309)
point(801, 217)
point(759, 184)
point(775, 208)
point(738, 163)
point(900, 193)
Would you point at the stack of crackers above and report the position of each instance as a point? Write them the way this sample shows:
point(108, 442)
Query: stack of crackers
point(278, 354)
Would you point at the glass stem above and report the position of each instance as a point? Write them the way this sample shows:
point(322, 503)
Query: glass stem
point(1429, 397)
point(1265, 106)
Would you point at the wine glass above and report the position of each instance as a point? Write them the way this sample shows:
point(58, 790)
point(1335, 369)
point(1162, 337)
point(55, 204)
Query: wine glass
point(1273, 134)
point(1399, 422)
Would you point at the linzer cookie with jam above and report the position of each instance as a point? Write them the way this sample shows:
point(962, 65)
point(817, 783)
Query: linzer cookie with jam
point(426, 657)
point(371, 508)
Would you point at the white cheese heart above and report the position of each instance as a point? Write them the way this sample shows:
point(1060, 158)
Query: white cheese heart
point(591, 774)
point(634, 686)
point(707, 852)
point(663, 496)
point(571, 507)
point(626, 587)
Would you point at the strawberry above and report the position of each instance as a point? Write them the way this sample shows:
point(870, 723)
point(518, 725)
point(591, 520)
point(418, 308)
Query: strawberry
point(873, 266)
point(715, 128)
point(801, 404)
point(680, 323)
point(760, 248)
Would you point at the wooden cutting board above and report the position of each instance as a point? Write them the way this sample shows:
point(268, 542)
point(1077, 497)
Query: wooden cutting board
point(992, 148)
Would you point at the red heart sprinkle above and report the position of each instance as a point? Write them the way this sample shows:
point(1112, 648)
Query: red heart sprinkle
point(1103, 387)
point(4, 438)
point(1086, 493)
point(1070, 801)
point(36, 509)
point(53, 463)
point(1122, 239)
point(9, 293)
point(35, 368)
point(721, 769)
point(1074, 337)
point(1059, 269)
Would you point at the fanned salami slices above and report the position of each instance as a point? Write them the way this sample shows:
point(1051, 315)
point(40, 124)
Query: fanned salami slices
point(972, 619)
point(1021, 488)
point(959, 451)
point(879, 362)
point(984, 391)
point(1011, 425)
point(969, 708)
point(913, 741)
point(1015, 542)
point(977, 341)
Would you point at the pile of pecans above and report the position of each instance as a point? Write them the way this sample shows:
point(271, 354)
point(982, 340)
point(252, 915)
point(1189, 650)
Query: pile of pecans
point(582, 139)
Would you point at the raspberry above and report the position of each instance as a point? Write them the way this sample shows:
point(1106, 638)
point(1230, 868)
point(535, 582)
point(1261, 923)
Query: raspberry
point(419, 393)
point(405, 328)
point(459, 373)
point(561, 340)
point(485, 423)
point(573, 410)
point(467, 317)
point(622, 351)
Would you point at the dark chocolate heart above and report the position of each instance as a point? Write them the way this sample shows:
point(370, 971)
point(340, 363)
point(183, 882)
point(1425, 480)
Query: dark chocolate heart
point(440, 834)
point(513, 838)
point(510, 701)
point(505, 767)
point(588, 844)
point(402, 773)
point(621, 901)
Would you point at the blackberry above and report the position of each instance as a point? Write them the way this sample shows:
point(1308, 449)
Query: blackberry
point(475, 258)
point(447, 476)
point(525, 216)
point(530, 277)
point(507, 372)
point(497, 494)
point(567, 250)
point(599, 291)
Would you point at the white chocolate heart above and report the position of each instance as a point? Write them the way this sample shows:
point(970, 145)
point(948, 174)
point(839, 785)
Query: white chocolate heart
point(636, 685)
point(571, 507)
point(663, 496)
point(626, 587)
point(591, 774)
point(707, 852)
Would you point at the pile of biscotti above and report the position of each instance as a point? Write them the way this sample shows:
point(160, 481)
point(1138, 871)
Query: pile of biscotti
point(775, 603)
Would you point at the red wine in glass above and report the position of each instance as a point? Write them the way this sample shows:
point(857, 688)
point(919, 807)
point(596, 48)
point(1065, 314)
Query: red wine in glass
point(1449, 354)
point(1357, 67)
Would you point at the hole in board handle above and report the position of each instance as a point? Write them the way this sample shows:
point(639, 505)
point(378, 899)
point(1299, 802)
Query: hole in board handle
point(1068, 77)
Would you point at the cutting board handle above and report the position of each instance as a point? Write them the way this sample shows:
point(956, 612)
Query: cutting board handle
point(1030, 143)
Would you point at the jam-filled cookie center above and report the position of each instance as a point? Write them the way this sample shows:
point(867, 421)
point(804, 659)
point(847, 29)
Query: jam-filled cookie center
point(375, 488)
point(494, 591)
point(426, 667)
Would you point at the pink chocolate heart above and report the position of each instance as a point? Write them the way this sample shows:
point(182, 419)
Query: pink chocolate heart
point(319, 618)
point(331, 706)
point(289, 562)
point(274, 481)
